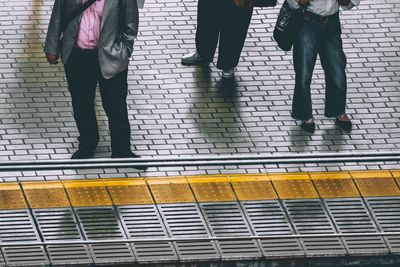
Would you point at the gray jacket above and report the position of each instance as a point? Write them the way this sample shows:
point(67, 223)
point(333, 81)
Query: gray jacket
point(117, 34)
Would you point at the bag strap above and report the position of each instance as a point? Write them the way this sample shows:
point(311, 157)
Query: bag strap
point(121, 17)
point(76, 13)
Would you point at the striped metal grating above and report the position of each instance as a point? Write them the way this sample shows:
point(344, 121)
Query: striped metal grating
point(2, 262)
point(144, 222)
point(386, 212)
point(102, 223)
point(227, 220)
point(208, 221)
point(351, 216)
point(185, 220)
point(268, 218)
point(310, 217)
point(61, 225)
point(18, 226)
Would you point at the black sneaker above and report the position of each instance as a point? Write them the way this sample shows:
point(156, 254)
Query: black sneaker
point(308, 126)
point(82, 154)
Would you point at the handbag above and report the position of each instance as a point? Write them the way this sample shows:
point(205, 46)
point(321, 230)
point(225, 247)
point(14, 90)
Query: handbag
point(286, 26)
point(255, 3)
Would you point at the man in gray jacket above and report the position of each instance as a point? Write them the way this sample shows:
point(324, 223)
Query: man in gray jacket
point(95, 47)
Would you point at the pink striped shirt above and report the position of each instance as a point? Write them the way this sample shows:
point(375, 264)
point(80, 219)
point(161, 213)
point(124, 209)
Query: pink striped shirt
point(89, 30)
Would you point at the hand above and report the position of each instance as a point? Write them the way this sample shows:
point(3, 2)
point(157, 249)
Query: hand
point(344, 2)
point(241, 3)
point(304, 3)
point(52, 59)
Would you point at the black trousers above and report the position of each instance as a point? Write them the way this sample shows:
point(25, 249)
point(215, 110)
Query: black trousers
point(221, 18)
point(83, 74)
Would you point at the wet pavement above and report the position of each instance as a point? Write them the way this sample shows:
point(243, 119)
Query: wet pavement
point(177, 110)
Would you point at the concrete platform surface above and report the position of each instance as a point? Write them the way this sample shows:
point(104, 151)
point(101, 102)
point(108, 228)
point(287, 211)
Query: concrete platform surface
point(177, 110)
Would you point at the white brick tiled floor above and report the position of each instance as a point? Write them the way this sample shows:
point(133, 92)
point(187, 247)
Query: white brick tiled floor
point(177, 110)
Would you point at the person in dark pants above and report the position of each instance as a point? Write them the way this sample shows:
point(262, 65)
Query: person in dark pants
point(223, 20)
point(320, 33)
point(95, 48)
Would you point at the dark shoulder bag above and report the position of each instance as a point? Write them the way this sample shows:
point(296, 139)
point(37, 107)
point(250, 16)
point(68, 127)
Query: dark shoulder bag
point(255, 3)
point(287, 25)
point(263, 3)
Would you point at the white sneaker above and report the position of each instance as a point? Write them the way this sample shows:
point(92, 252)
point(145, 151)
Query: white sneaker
point(228, 73)
point(191, 59)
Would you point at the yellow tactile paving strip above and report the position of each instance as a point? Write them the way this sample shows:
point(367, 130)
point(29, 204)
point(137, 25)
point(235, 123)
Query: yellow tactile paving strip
point(170, 190)
point(376, 184)
point(253, 187)
point(293, 185)
point(206, 188)
point(45, 195)
point(212, 189)
point(334, 185)
point(11, 196)
point(129, 191)
point(87, 193)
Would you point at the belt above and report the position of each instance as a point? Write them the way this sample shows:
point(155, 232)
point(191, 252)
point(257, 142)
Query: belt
point(322, 19)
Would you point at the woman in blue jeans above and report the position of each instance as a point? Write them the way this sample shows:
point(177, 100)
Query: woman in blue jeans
point(320, 33)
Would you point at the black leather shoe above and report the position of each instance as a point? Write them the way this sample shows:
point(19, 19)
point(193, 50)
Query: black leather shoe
point(344, 124)
point(83, 154)
point(128, 154)
point(308, 126)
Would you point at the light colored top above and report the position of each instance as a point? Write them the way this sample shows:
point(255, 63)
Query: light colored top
point(323, 7)
point(89, 30)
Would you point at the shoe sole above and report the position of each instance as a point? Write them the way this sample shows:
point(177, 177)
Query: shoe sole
point(228, 77)
point(344, 128)
point(197, 63)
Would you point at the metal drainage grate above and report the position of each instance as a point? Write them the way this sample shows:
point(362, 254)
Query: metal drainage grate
point(351, 216)
point(268, 218)
point(60, 225)
point(18, 226)
point(2, 262)
point(185, 220)
point(227, 220)
point(143, 221)
point(308, 216)
point(386, 211)
point(102, 223)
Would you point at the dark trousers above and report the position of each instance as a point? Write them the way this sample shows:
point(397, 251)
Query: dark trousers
point(221, 18)
point(83, 73)
point(323, 38)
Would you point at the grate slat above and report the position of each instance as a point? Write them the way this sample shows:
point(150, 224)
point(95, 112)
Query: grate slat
point(144, 221)
point(61, 225)
point(386, 212)
point(350, 215)
point(227, 219)
point(103, 223)
point(2, 261)
point(308, 216)
point(269, 218)
point(184, 220)
point(18, 226)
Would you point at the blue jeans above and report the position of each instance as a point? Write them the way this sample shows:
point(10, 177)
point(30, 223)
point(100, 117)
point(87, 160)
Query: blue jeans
point(316, 36)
